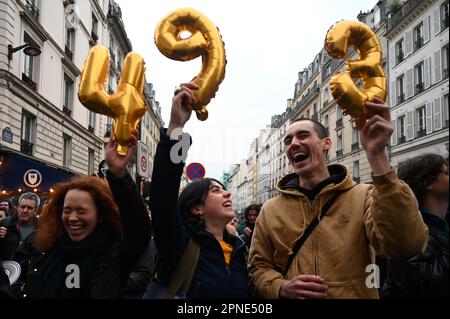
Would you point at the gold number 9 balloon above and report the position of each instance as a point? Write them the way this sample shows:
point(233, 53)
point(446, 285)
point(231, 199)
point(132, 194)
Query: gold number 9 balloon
point(126, 106)
point(347, 95)
point(205, 40)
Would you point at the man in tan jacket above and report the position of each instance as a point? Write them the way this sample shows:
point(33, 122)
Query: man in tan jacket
point(337, 258)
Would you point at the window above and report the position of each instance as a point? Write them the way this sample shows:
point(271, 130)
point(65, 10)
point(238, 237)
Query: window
point(355, 172)
point(339, 146)
point(70, 42)
point(68, 95)
point(355, 139)
point(108, 128)
point(339, 122)
point(419, 78)
point(420, 122)
point(91, 158)
point(326, 123)
point(30, 65)
point(28, 133)
point(328, 70)
point(444, 59)
point(94, 28)
point(418, 36)
point(444, 15)
point(91, 122)
point(401, 129)
point(399, 89)
point(67, 150)
point(399, 55)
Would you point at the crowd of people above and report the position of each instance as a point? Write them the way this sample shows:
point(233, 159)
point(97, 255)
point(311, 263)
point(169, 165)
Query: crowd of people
point(96, 238)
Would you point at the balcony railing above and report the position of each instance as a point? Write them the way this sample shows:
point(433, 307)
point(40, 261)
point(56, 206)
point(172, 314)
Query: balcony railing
point(418, 43)
point(444, 23)
point(446, 124)
point(402, 13)
point(94, 35)
point(339, 153)
point(315, 117)
point(108, 130)
point(400, 57)
point(91, 128)
point(29, 81)
point(26, 147)
point(401, 98)
point(31, 7)
point(401, 139)
point(67, 111)
point(445, 73)
point(421, 132)
point(355, 146)
point(339, 123)
point(357, 179)
point(68, 52)
point(419, 88)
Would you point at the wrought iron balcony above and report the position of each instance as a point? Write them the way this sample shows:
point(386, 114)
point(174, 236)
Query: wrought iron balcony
point(401, 139)
point(33, 9)
point(419, 88)
point(357, 179)
point(400, 57)
point(420, 133)
point(418, 43)
point(444, 23)
point(91, 128)
point(26, 147)
point(339, 123)
point(29, 81)
point(68, 52)
point(339, 153)
point(108, 130)
point(355, 146)
point(67, 111)
point(401, 98)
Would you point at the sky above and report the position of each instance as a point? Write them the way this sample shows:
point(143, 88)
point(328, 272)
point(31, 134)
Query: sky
point(266, 44)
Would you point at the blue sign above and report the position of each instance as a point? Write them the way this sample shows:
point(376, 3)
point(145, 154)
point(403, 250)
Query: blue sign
point(7, 135)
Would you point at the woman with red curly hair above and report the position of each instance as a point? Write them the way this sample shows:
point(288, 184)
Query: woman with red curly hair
point(90, 236)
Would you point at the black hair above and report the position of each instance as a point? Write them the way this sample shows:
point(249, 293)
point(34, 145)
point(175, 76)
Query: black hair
point(321, 130)
point(420, 172)
point(192, 195)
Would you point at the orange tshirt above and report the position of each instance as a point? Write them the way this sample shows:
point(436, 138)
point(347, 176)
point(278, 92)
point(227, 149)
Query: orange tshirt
point(227, 250)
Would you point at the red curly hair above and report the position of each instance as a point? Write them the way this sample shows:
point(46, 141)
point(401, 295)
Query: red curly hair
point(50, 226)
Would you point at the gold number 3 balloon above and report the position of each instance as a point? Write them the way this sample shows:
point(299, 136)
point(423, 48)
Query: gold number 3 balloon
point(347, 95)
point(205, 40)
point(126, 106)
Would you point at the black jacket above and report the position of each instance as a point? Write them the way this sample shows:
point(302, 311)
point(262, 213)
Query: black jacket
point(212, 279)
point(111, 274)
point(425, 275)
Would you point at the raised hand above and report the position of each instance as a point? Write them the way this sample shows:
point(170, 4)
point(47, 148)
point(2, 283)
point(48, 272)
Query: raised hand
point(375, 134)
point(117, 163)
point(181, 102)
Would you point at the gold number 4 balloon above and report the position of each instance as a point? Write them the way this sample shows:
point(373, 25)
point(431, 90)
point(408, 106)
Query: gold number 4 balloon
point(126, 106)
point(347, 95)
point(205, 40)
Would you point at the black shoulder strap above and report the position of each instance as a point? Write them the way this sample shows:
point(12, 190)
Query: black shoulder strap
point(298, 244)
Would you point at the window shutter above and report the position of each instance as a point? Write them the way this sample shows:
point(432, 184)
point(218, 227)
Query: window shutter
point(392, 56)
point(392, 98)
point(429, 118)
point(426, 29)
point(409, 125)
point(409, 83)
point(408, 43)
point(394, 134)
point(437, 66)
point(437, 21)
point(427, 67)
point(437, 114)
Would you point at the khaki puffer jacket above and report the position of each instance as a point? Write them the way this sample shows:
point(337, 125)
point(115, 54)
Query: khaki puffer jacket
point(382, 218)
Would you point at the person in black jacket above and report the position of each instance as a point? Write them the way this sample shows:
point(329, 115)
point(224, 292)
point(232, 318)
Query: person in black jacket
point(201, 212)
point(89, 238)
point(425, 275)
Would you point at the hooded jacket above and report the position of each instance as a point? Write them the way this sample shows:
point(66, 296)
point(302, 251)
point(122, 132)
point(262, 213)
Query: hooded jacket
point(382, 218)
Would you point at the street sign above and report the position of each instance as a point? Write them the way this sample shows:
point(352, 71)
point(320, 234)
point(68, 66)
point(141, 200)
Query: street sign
point(195, 171)
point(142, 159)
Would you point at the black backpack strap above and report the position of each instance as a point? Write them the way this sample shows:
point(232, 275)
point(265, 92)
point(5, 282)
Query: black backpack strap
point(298, 244)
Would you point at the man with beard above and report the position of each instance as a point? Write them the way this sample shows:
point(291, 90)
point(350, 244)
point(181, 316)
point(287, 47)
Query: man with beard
point(353, 221)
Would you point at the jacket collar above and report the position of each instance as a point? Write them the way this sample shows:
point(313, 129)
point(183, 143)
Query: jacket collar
point(339, 178)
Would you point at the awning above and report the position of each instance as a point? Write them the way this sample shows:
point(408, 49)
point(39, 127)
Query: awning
point(19, 172)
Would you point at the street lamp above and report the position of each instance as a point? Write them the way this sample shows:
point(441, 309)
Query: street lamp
point(28, 50)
